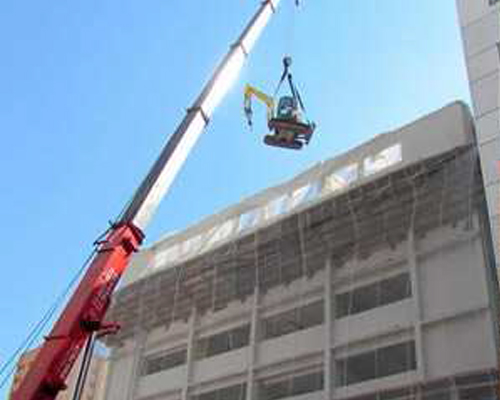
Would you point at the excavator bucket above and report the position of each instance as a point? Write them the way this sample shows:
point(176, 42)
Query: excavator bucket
point(289, 133)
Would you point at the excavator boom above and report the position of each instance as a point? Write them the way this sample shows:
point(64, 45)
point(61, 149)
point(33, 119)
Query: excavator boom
point(247, 104)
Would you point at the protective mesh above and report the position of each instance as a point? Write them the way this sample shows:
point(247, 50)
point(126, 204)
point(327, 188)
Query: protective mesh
point(442, 190)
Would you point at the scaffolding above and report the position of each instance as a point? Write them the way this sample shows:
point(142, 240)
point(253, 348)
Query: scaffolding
point(441, 190)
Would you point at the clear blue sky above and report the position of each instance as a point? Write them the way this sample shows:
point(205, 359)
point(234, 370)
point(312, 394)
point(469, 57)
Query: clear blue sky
point(90, 90)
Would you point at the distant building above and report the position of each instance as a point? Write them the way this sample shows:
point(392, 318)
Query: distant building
point(94, 386)
point(370, 276)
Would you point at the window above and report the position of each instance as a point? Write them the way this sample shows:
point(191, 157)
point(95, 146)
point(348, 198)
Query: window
point(304, 194)
point(437, 395)
point(277, 206)
point(385, 361)
point(477, 386)
point(248, 219)
point(382, 160)
point(377, 294)
point(408, 393)
point(223, 342)
point(341, 178)
point(394, 289)
point(481, 385)
point(493, 2)
point(307, 383)
point(399, 394)
point(155, 363)
point(293, 320)
point(235, 392)
point(291, 386)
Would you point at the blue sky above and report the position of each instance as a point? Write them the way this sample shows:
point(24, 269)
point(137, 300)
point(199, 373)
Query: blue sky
point(91, 90)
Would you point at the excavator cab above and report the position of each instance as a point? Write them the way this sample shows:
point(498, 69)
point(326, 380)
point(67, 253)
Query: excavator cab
point(287, 108)
point(288, 128)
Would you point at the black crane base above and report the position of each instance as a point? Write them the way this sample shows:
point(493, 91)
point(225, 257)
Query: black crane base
point(289, 134)
point(273, 140)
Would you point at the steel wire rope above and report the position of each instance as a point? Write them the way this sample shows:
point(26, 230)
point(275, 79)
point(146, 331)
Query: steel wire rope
point(42, 323)
point(417, 313)
point(408, 288)
point(299, 323)
point(288, 40)
point(350, 280)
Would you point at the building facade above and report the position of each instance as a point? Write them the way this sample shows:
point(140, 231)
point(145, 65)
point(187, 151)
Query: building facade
point(94, 386)
point(370, 276)
point(480, 26)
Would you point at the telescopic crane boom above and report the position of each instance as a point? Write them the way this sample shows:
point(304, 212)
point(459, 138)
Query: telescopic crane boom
point(84, 314)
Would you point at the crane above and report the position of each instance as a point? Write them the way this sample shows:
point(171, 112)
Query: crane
point(83, 316)
point(289, 129)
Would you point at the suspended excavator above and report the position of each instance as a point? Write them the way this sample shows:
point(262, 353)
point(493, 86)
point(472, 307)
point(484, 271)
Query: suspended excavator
point(288, 127)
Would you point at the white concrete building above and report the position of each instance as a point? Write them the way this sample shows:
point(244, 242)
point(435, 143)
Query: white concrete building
point(370, 276)
point(480, 25)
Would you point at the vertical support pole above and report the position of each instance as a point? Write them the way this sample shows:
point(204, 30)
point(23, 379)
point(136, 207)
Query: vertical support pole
point(190, 353)
point(109, 375)
point(454, 391)
point(328, 299)
point(417, 303)
point(84, 367)
point(112, 362)
point(252, 348)
point(140, 342)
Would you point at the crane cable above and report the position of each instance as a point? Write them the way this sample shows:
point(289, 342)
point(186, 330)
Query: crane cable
point(287, 62)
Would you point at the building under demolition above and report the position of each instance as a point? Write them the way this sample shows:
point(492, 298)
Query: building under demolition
point(369, 276)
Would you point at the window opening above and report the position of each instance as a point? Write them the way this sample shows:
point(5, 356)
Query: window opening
point(304, 194)
point(374, 295)
point(234, 392)
point(382, 160)
point(293, 320)
point(341, 178)
point(378, 363)
point(291, 386)
point(160, 362)
point(222, 342)
point(277, 206)
point(248, 219)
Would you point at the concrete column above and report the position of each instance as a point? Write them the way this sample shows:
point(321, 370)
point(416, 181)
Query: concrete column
point(140, 342)
point(189, 353)
point(328, 310)
point(109, 377)
point(417, 303)
point(252, 346)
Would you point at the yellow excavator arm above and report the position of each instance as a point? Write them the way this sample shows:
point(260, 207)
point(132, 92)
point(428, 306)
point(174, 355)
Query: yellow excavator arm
point(268, 100)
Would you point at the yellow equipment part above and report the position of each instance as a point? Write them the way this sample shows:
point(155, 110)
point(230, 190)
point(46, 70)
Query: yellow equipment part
point(268, 100)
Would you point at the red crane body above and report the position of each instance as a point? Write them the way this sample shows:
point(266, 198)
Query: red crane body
point(84, 314)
